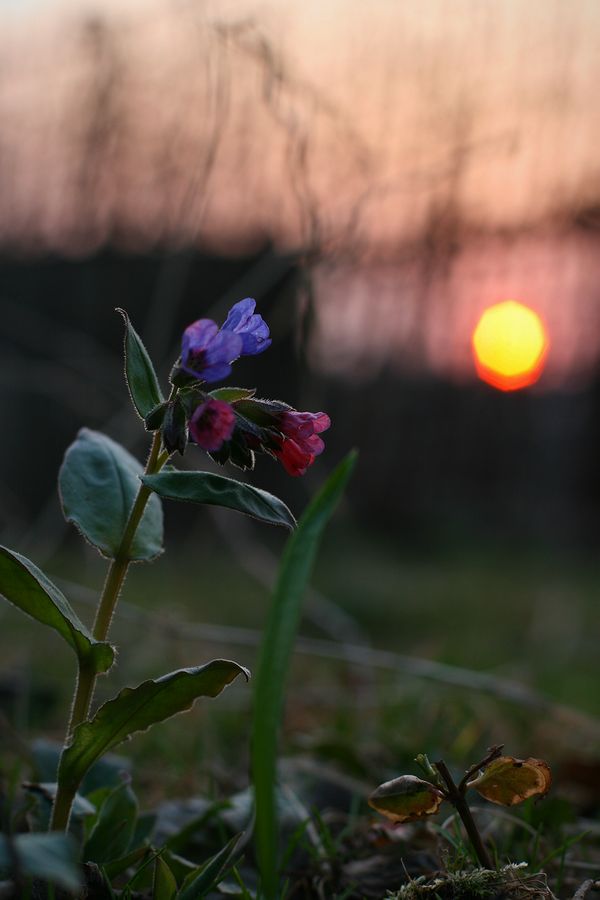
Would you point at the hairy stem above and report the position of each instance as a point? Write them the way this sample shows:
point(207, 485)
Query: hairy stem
point(457, 799)
point(87, 675)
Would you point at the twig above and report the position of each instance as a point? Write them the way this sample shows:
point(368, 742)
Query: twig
point(457, 799)
point(492, 753)
point(584, 889)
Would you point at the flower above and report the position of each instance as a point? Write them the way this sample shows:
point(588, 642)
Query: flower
point(212, 424)
point(251, 327)
point(300, 443)
point(208, 351)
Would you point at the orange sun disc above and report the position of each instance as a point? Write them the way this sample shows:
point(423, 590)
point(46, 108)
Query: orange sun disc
point(510, 343)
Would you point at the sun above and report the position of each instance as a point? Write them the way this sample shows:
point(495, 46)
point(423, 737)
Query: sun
point(510, 343)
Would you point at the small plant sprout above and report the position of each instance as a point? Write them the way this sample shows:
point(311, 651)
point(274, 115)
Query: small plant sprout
point(116, 505)
point(500, 779)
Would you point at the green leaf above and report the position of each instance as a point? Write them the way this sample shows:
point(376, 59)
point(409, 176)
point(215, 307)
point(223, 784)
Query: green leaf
point(118, 866)
point(141, 378)
point(231, 394)
point(216, 490)
point(114, 828)
point(51, 857)
point(203, 880)
point(179, 865)
point(136, 709)
point(26, 586)
point(155, 417)
point(165, 886)
point(274, 660)
point(406, 799)
point(143, 829)
point(98, 482)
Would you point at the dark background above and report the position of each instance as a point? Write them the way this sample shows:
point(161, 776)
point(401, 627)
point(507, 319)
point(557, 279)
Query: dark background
point(440, 463)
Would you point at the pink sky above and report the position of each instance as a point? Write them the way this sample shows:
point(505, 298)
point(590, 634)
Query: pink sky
point(373, 134)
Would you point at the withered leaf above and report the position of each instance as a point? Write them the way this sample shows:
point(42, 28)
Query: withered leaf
point(406, 799)
point(509, 781)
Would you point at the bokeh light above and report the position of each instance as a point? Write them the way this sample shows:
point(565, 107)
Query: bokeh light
point(510, 343)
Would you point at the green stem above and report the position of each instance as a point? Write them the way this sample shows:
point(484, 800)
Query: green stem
point(87, 675)
point(457, 799)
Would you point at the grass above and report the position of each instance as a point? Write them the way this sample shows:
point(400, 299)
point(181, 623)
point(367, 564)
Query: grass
point(521, 617)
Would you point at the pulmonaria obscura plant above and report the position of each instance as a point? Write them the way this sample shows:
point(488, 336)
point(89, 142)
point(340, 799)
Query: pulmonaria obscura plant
point(116, 505)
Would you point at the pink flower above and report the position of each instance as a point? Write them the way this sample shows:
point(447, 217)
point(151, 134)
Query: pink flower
point(212, 424)
point(300, 443)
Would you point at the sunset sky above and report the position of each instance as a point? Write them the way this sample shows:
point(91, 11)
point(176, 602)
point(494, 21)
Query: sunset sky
point(434, 157)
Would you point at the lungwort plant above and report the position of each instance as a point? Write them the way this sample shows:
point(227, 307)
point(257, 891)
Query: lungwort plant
point(116, 504)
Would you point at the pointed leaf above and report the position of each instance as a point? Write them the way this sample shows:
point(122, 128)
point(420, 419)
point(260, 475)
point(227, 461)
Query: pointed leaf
point(216, 490)
point(99, 481)
point(203, 880)
point(141, 378)
point(275, 655)
point(231, 394)
point(50, 857)
point(509, 781)
point(155, 417)
point(113, 830)
point(136, 709)
point(26, 586)
point(118, 866)
point(406, 799)
point(165, 886)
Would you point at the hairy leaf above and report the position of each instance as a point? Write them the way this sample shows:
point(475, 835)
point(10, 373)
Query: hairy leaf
point(231, 394)
point(509, 781)
point(275, 655)
point(136, 709)
point(406, 799)
point(98, 483)
point(216, 490)
point(26, 586)
point(141, 378)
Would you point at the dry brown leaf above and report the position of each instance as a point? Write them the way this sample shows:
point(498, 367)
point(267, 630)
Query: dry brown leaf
point(509, 781)
point(406, 799)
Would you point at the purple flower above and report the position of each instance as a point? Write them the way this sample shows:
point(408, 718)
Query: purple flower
point(212, 424)
point(206, 352)
point(251, 327)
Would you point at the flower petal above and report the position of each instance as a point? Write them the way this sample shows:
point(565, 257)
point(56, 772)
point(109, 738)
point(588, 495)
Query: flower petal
point(224, 347)
point(197, 335)
point(212, 424)
point(239, 314)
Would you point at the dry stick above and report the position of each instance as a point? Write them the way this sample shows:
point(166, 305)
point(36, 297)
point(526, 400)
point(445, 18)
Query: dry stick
point(583, 890)
point(457, 799)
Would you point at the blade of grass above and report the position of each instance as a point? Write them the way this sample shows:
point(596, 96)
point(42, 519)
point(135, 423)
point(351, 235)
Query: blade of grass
point(276, 649)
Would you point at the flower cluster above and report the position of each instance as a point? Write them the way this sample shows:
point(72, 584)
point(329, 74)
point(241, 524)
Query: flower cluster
point(208, 351)
point(230, 423)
